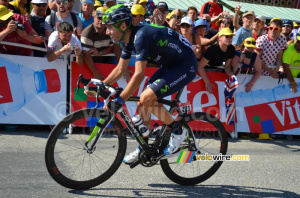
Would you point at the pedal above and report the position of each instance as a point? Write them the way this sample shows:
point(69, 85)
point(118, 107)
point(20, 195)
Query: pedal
point(134, 164)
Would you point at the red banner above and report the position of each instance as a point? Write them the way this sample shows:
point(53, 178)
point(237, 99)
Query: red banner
point(194, 93)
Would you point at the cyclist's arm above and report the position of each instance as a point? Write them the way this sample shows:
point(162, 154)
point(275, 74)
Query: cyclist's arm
point(118, 72)
point(136, 79)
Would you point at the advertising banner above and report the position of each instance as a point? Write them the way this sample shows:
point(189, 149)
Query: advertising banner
point(270, 107)
point(32, 90)
point(194, 93)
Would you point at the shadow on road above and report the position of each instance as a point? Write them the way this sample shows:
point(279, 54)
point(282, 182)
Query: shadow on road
point(173, 190)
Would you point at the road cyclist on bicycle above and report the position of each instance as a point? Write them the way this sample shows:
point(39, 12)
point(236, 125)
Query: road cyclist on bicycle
point(164, 46)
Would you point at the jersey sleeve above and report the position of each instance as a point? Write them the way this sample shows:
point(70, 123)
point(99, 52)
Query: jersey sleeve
point(141, 45)
point(51, 41)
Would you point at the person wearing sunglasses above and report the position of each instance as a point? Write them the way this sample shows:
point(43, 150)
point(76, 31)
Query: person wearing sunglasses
point(216, 55)
point(96, 43)
point(14, 9)
point(291, 58)
point(14, 28)
point(287, 27)
point(21, 5)
point(62, 15)
point(247, 62)
point(37, 20)
point(186, 27)
point(160, 14)
point(174, 19)
point(270, 48)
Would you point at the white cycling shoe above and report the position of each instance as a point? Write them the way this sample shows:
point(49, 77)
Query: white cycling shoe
point(175, 142)
point(132, 157)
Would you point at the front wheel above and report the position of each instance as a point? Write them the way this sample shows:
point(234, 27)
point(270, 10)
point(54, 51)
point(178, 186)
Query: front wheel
point(211, 138)
point(68, 160)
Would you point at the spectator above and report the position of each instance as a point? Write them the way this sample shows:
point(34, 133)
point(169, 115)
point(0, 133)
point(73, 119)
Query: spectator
point(11, 32)
point(95, 42)
point(97, 5)
point(211, 32)
point(21, 5)
point(14, 9)
point(192, 12)
point(201, 27)
point(87, 7)
point(160, 13)
point(62, 15)
point(245, 31)
point(175, 18)
point(63, 42)
point(270, 48)
point(109, 3)
point(287, 27)
point(215, 55)
point(296, 31)
point(223, 23)
point(138, 13)
point(70, 7)
point(186, 27)
point(37, 20)
point(213, 8)
point(248, 59)
point(291, 58)
point(258, 27)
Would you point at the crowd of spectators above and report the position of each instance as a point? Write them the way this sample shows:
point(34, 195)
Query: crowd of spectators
point(242, 42)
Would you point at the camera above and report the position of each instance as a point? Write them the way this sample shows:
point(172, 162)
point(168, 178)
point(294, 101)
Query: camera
point(19, 25)
point(281, 74)
point(248, 54)
point(72, 47)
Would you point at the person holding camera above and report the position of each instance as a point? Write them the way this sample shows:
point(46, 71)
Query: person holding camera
point(63, 42)
point(14, 28)
point(247, 60)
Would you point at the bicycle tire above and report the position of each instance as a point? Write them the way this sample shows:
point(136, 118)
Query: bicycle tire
point(172, 168)
point(64, 151)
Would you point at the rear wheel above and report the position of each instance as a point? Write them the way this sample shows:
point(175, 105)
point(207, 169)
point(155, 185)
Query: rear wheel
point(211, 138)
point(70, 163)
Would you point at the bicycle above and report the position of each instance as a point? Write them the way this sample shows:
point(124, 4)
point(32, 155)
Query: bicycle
point(81, 154)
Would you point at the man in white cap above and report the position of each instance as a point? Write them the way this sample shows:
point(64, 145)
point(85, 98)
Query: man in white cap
point(258, 26)
point(37, 19)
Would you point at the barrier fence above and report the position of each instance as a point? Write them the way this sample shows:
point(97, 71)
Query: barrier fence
point(34, 91)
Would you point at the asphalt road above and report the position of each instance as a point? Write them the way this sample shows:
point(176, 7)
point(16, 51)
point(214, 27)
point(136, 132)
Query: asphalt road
point(273, 171)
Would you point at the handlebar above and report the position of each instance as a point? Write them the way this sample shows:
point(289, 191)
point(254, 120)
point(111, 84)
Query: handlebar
point(102, 89)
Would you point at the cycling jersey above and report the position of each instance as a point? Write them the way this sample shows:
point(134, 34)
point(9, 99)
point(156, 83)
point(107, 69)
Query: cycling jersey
point(170, 50)
point(159, 44)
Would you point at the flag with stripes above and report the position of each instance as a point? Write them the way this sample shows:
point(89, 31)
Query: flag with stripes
point(231, 84)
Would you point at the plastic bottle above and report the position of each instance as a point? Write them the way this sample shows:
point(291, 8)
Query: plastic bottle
point(19, 84)
point(138, 122)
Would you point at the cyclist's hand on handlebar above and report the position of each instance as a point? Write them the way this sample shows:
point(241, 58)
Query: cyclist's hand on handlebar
point(89, 93)
point(115, 104)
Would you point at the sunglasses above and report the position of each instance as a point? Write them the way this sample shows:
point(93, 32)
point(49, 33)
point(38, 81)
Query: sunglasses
point(287, 26)
point(184, 25)
point(275, 29)
point(229, 36)
point(41, 4)
point(250, 42)
point(62, 2)
point(99, 18)
point(134, 15)
point(164, 11)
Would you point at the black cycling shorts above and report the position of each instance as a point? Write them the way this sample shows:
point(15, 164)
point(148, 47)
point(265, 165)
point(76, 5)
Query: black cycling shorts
point(166, 81)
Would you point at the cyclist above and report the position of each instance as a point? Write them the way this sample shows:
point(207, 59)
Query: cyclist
point(169, 49)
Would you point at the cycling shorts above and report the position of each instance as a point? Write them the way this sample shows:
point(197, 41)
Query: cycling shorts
point(166, 81)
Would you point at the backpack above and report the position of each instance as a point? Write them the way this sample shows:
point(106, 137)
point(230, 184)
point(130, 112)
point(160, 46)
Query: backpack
point(52, 19)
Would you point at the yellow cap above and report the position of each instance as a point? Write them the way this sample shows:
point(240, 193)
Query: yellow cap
point(5, 13)
point(298, 38)
point(226, 32)
point(100, 11)
point(249, 42)
point(275, 18)
point(173, 12)
point(218, 23)
point(137, 9)
point(143, 1)
point(97, 4)
point(296, 25)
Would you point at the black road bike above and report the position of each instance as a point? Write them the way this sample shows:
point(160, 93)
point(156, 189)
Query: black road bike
point(87, 147)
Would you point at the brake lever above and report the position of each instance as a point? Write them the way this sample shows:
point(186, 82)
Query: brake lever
point(97, 99)
point(84, 81)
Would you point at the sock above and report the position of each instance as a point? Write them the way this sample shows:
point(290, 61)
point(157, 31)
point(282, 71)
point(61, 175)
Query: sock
point(175, 128)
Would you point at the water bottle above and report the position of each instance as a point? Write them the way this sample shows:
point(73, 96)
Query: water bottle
point(138, 122)
point(20, 84)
